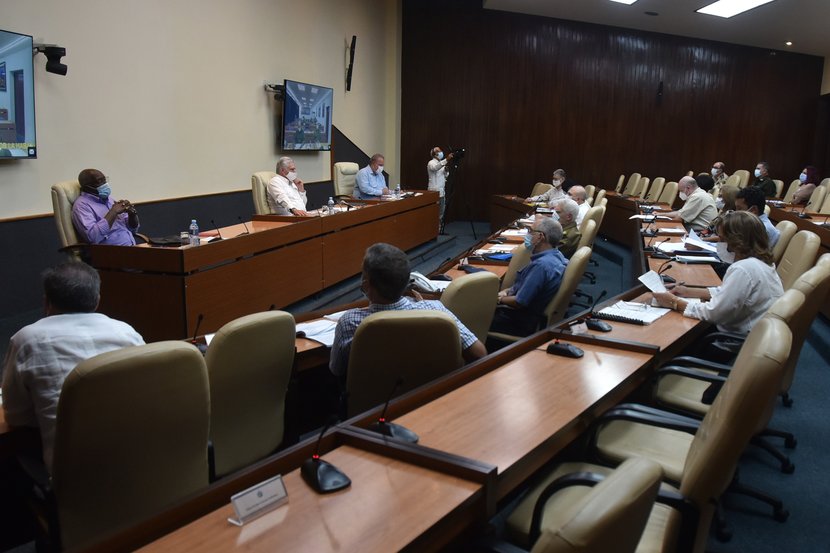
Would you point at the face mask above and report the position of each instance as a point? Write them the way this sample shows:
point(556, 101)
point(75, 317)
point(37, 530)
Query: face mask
point(554, 215)
point(529, 241)
point(440, 155)
point(719, 204)
point(556, 182)
point(683, 196)
point(757, 173)
point(802, 177)
point(714, 172)
point(724, 254)
point(104, 191)
point(291, 176)
point(380, 169)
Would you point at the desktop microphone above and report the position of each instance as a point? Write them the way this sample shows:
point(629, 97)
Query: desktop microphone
point(597, 324)
point(390, 429)
point(657, 254)
point(663, 268)
point(322, 476)
point(219, 234)
point(244, 225)
point(803, 215)
point(650, 230)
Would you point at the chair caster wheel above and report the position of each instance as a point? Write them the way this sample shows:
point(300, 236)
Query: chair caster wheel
point(790, 443)
point(781, 515)
point(788, 467)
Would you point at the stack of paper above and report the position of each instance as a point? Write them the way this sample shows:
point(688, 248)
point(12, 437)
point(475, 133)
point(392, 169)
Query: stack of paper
point(321, 330)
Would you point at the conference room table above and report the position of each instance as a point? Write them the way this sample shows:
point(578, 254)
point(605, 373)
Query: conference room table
point(484, 429)
point(169, 293)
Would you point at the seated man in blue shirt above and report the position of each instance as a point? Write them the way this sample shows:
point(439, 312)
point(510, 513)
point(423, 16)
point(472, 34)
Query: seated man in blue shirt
point(522, 306)
point(752, 199)
point(370, 184)
point(385, 279)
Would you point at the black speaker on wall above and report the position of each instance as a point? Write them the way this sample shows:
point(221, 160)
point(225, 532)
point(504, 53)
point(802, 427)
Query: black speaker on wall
point(351, 64)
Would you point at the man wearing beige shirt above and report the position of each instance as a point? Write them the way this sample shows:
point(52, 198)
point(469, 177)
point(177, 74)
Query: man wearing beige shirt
point(699, 208)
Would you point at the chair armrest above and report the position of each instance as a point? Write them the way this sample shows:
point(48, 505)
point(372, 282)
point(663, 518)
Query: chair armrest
point(659, 413)
point(662, 420)
point(142, 236)
point(589, 479)
point(691, 372)
point(689, 516)
point(688, 361)
point(504, 337)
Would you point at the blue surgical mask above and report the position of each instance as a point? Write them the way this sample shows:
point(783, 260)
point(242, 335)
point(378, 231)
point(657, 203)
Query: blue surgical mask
point(724, 254)
point(529, 241)
point(440, 155)
point(714, 172)
point(757, 173)
point(104, 191)
point(802, 177)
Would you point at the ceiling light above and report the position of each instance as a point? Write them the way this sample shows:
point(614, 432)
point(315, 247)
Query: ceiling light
point(629, 2)
point(789, 43)
point(728, 8)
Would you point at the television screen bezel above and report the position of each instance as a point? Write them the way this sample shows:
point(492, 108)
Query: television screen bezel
point(282, 129)
point(34, 99)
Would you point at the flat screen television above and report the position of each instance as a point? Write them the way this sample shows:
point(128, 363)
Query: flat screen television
point(306, 117)
point(17, 97)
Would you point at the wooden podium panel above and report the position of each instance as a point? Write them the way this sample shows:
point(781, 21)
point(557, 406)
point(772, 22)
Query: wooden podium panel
point(506, 209)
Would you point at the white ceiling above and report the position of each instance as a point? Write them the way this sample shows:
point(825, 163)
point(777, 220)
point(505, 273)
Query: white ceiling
point(804, 22)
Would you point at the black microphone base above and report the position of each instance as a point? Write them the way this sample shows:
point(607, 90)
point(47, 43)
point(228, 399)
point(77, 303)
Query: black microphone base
point(649, 233)
point(804, 216)
point(659, 255)
point(394, 431)
point(598, 324)
point(323, 477)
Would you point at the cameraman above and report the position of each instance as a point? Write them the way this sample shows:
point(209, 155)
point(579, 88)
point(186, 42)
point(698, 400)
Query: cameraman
point(437, 171)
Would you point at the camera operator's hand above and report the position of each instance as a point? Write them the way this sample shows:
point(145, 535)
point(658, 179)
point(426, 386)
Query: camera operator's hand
point(449, 157)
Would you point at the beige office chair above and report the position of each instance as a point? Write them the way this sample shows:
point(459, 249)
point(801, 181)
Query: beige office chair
point(779, 187)
point(588, 232)
point(643, 188)
point(700, 460)
point(600, 198)
point(259, 188)
point(589, 192)
point(389, 345)
point(788, 197)
point(798, 257)
point(249, 363)
point(733, 180)
point(618, 189)
point(472, 298)
point(609, 517)
point(64, 195)
point(131, 437)
point(518, 261)
point(787, 230)
point(656, 189)
point(817, 199)
point(540, 188)
point(632, 185)
point(345, 178)
point(741, 174)
point(669, 194)
point(597, 214)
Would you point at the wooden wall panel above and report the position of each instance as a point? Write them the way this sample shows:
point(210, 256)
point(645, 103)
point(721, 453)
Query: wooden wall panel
point(527, 94)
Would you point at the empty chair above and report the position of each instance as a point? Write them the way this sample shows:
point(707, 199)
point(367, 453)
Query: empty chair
point(345, 178)
point(589, 191)
point(733, 180)
point(656, 189)
point(472, 298)
point(787, 230)
point(540, 188)
point(632, 184)
point(130, 438)
point(642, 188)
point(389, 345)
point(64, 195)
point(518, 261)
point(251, 358)
point(779, 187)
point(259, 189)
point(817, 198)
point(788, 197)
point(588, 232)
point(669, 194)
point(741, 174)
point(618, 189)
point(798, 257)
point(600, 197)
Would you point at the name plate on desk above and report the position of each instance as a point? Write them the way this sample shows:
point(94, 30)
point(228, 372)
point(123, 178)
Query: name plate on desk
point(258, 500)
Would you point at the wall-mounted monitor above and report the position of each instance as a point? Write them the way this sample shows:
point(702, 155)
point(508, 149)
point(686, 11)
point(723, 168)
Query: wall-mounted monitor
point(306, 117)
point(17, 97)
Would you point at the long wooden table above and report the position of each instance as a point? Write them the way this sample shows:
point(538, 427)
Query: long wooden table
point(164, 293)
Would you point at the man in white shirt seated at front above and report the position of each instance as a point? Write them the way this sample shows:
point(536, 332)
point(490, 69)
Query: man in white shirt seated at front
point(286, 192)
point(579, 195)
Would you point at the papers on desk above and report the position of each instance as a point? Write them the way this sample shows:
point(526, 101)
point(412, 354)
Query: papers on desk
point(653, 281)
point(694, 240)
point(674, 231)
point(334, 316)
point(634, 313)
point(439, 285)
point(495, 248)
point(528, 220)
point(697, 259)
point(650, 218)
point(321, 330)
point(514, 232)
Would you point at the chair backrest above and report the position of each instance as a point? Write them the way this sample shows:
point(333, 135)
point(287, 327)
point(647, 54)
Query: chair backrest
point(787, 230)
point(259, 189)
point(733, 418)
point(596, 214)
point(130, 438)
point(345, 178)
point(64, 195)
point(588, 232)
point(632, 184)
point(779, 187)
point(589, 191)
point(788, 197)
point(389, 345)
point(642, 188)
point(540, 188)
point(733, 180)
point(249, 364)
point(558, 306)
point(618, 189)
point(611, 517)
point(600, 197)
point(656, 189)
point(798, 257)
point(818, 198)
point(669, 194)
point(519, 260)
point(472, 298)
point(743, 175)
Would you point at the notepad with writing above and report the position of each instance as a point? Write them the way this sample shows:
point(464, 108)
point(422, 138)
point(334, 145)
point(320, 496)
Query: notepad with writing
point(634, 313)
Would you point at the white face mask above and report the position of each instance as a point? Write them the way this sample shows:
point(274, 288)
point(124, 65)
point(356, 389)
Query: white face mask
point(724, 254)
point(714, 172)
point(380, 169)
point(719, 203)
point(440, 155)
point(291, 176)
point(556, 182)
point(802, 177)
point(683, 196)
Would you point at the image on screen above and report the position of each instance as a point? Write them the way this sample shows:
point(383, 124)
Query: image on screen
point(17, 97)
point(306, 117)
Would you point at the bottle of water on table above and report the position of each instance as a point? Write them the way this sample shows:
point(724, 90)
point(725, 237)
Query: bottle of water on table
point(331, 206)
point(194, 233)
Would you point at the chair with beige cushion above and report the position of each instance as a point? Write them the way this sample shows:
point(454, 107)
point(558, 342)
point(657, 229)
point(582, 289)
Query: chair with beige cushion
point(472, 298)
point(540, 188)
point(131, 437)
point(741, 174)
point(817, 199)
point(642, 188)
point(389, 345)
point(345, 178)
point(589, 191)
point(618, 189)
point(249, 363)
point(598, 201)
point(64, 195)
point(259, 188)
point(787, 230)
point(518, 261)
point(699, 457)
point(656, 189)
point(632, 185)
point(779, 187)
point(799, 256)
point(788, 197)
point(588, 232)
point(669, 194)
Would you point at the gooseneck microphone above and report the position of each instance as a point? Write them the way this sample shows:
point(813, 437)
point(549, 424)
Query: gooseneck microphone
point(663, 268)
point(656, 253)
point(244, 225)
point(390, 429)
point(803, 215)
point(322, 476)
point(218, 233)
point(597, 324)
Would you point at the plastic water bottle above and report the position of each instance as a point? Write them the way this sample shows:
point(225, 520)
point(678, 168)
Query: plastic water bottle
point(331, 205)
point(398, 192)
point(194, 233)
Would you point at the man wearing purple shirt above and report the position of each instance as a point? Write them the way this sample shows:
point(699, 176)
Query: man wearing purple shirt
point(99, 219)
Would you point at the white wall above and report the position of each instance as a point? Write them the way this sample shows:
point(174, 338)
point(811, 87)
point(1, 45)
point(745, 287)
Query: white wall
point(166, 97)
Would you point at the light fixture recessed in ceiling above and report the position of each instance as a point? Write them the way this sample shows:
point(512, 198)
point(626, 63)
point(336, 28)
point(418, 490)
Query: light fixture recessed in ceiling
point(729, 8)
point(789, 43)
point(629, 2)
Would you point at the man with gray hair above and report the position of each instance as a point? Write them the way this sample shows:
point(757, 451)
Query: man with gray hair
point(522, 306)
point(41, 355)
point(370, 182)
point(580, 196)
point(699, 210)
point(286, 192)
point(566, 211)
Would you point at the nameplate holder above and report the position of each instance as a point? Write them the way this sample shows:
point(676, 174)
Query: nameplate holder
point(258, 500)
